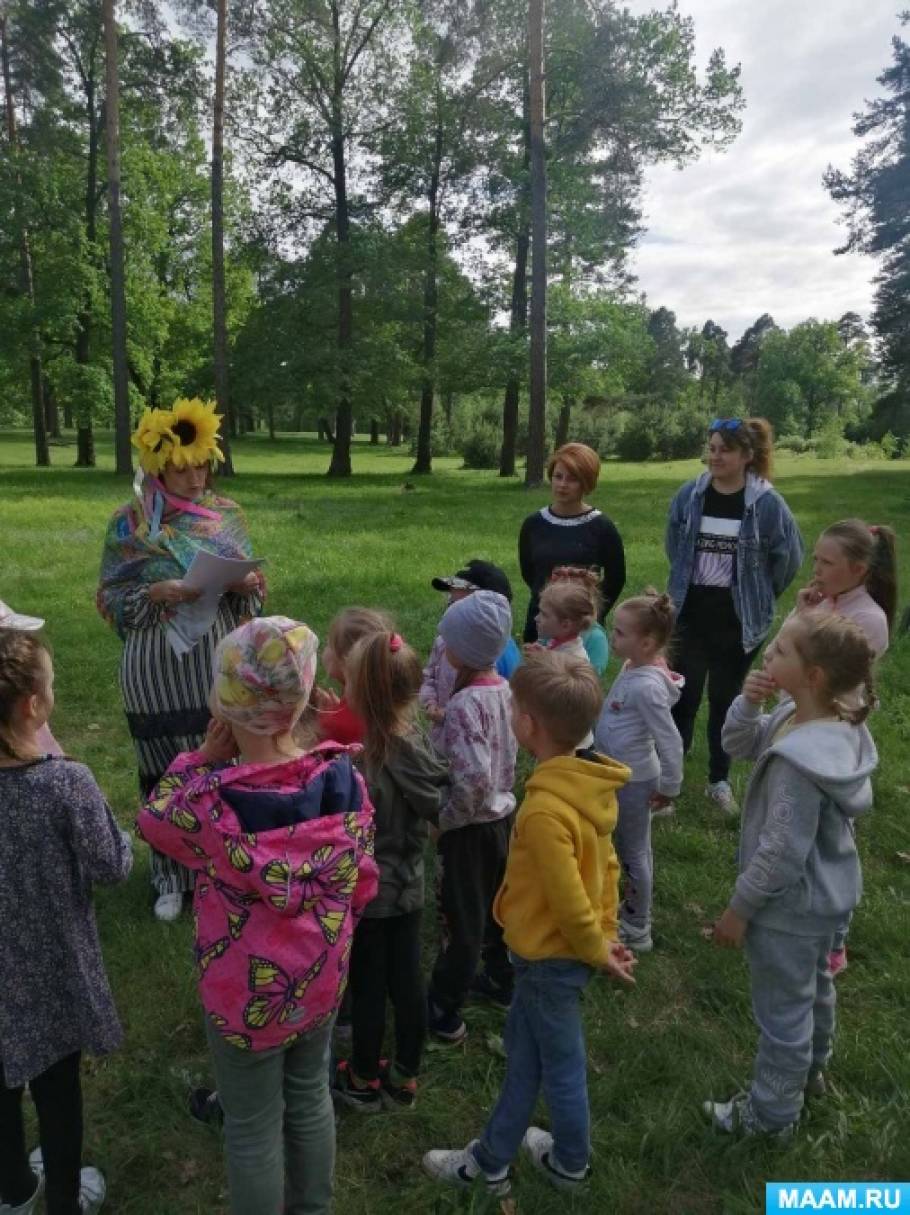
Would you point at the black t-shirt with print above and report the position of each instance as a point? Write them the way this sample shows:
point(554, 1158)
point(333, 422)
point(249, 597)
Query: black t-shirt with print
point(710, 597)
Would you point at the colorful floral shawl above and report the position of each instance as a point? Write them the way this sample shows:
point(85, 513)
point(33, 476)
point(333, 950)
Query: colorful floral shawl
point(143, 546)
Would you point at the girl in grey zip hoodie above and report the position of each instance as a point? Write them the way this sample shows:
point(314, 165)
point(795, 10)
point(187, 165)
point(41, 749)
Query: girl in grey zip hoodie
point(799, 871)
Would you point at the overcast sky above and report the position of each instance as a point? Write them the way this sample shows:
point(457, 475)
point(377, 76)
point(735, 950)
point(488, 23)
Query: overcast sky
point(753, 230)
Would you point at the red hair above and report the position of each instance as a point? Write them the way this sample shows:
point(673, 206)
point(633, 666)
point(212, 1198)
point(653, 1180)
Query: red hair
point(581, 461)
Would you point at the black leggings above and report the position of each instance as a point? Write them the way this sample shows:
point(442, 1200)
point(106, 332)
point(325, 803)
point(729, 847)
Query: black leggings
point(471, 864)
point(57, 1094)
point(707, 651)
point(385, 961)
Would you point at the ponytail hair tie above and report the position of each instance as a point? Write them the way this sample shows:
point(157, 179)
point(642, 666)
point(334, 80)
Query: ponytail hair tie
point(873, 528)
point(395, 642)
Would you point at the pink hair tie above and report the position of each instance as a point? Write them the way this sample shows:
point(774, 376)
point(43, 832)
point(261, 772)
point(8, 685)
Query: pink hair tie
point(873, 528)
point(395, 643)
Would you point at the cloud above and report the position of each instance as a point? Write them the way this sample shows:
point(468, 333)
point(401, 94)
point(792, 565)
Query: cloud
point(753, 230)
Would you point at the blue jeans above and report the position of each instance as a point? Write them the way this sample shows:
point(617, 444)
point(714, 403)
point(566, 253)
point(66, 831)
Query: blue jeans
point(545, 1047)
point(279, 1124)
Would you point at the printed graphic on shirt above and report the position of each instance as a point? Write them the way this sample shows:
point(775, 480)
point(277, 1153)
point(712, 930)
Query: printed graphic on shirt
point(715, 551)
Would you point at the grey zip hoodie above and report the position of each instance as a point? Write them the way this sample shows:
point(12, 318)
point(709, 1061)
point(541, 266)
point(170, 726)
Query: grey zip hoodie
point(799, 870)
point(636, 727)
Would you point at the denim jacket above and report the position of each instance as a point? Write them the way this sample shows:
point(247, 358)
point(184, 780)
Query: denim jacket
point(768, 553)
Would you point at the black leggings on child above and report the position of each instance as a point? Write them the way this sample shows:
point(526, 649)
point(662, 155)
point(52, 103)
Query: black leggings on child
point(385, 961)
point(57, 1094)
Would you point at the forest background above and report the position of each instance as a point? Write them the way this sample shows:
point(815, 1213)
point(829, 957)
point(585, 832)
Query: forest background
point(320, 213)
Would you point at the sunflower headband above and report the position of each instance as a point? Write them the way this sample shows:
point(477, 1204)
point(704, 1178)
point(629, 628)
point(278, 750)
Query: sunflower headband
point(184, 435)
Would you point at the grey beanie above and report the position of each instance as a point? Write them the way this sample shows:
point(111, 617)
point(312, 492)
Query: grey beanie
point(477, 628)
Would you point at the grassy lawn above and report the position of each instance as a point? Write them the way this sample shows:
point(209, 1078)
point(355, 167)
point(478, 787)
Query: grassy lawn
point(684, 1034)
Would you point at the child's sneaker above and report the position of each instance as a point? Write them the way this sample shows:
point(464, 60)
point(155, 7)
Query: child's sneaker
point(637, 939)
point(365, 1098)
point(539, 1146)
point(31, 1204)
point(484, 987)
point(837, 961)
point(667, 811)
point(396, 1092)
point(92, 1186)
point(460, 1167)
point(205, 1106)
point(721, 794)
point(446, 1027)
point(737, 1116)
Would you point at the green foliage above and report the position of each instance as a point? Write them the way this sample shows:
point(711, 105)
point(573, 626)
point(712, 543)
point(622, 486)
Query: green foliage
point(480, 447)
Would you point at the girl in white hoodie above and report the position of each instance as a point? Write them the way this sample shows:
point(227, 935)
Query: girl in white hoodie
point(637, 728)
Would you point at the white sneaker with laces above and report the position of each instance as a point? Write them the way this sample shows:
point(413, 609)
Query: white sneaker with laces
point(721, 794)
point(459, 1167)
point(737, 1116)
point(539, 1146)
point(168, 907)
point(92, 1186)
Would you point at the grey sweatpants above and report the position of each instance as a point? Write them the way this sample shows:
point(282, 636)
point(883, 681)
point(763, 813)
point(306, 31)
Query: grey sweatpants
point(632, 841)
point(793, 1004)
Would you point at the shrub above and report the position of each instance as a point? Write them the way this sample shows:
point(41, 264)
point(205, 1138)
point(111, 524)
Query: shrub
point(480, 448)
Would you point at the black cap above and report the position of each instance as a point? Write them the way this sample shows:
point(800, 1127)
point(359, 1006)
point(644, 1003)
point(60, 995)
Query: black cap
point(477, 576)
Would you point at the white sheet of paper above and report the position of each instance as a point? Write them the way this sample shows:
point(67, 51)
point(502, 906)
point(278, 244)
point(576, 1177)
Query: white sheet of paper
point(212, 575)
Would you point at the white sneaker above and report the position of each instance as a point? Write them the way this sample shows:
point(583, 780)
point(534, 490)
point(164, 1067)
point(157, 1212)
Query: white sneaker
point(637, 939)
point(459, 1167)
point(92, 1186)
point(722, 795)
point(664, 811)
point(168, 907)
point(31, 1205)
point(539, 1146)
point(737, 1116)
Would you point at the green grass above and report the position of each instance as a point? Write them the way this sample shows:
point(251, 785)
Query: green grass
point(685, 1033)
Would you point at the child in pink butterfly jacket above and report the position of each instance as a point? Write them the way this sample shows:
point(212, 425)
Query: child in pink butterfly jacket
point(283, 842)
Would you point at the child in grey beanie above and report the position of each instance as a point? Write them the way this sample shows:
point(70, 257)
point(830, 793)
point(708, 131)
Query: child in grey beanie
point(475, 814)
point(477, 629)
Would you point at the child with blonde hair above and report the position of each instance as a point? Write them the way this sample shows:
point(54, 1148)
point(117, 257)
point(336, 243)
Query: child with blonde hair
point(569, 606)
point(58, 837)
point(282, 840)
point(335, 720)
point(405, 778)
point(557, 907)
point(636, 727)
point(799, 871)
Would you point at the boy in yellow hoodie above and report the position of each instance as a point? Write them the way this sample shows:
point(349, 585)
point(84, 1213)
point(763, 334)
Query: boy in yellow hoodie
point(557, 906)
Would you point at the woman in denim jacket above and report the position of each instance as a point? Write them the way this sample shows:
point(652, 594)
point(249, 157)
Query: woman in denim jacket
point(734, 548)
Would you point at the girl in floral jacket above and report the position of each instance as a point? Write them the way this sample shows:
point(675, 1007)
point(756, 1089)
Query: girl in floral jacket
point(282, 840)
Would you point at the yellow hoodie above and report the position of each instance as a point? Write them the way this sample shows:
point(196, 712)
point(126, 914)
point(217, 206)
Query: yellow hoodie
point(561, 888)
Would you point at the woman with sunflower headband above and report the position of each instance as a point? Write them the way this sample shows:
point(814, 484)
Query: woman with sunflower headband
point(149, 546)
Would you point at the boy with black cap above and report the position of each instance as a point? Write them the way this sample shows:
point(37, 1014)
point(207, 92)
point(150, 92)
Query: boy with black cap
point(439, 674)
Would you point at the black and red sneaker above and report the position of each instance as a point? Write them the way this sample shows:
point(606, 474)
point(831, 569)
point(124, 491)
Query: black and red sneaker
point(396, 1095)
point(364, 1097)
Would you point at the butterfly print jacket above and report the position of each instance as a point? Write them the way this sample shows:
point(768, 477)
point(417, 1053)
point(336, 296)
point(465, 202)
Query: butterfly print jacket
point(285, 860)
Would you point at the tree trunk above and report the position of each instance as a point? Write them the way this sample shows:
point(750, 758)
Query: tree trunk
point(67, 415)
point(26, 277)
point(325, 430)
point(448, 406)
point(534, 472)
point(123, 460)
point(219, 302)
point(424, 461)
point(518, 316)
point(85, 441)
point(374, 432)
point(340, 464)
point(51, 411)
point(562, 422)
point(271, 418)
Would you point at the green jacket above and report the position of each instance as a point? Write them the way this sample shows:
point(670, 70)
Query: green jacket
point(405, 793)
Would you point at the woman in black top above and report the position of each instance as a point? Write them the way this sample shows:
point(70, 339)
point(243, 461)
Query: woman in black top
point(570, 532)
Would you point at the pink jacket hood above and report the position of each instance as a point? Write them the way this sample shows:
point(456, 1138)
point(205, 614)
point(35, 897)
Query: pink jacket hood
point(274, 907)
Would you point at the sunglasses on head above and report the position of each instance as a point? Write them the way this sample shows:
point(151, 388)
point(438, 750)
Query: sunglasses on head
point(726, 424)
